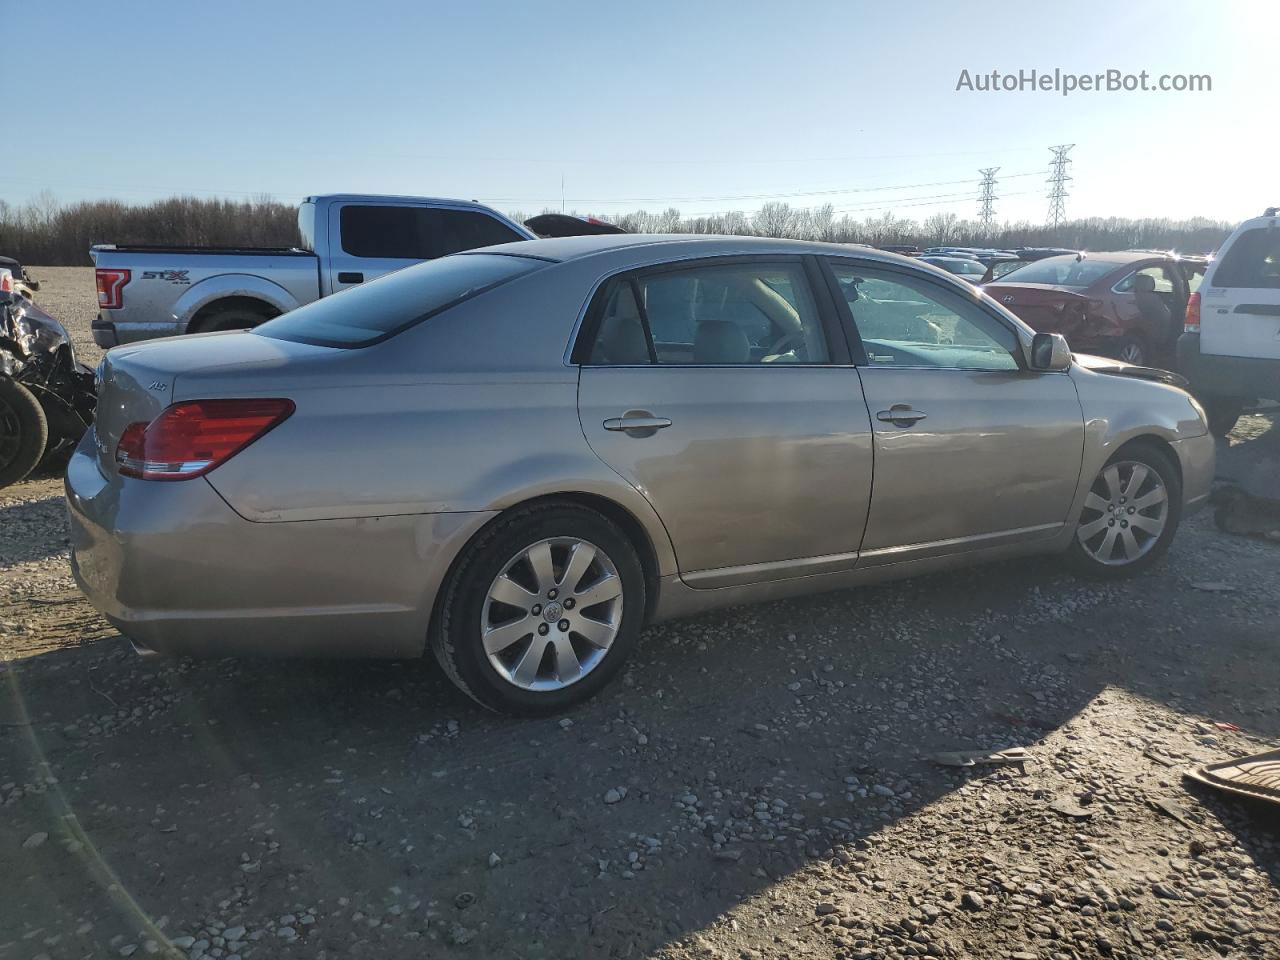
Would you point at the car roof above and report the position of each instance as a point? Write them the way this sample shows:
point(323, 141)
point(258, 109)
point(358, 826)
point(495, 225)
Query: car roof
point(678, 245)
point(395, 198)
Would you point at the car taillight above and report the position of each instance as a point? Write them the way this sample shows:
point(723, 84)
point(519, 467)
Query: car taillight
point(1192, 323)
point(6, 284)
point(190, 438)
point(111, 287)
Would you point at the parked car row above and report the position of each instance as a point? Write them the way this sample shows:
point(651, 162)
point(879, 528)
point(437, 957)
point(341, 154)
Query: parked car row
point(1124, 305)
point(515, 457)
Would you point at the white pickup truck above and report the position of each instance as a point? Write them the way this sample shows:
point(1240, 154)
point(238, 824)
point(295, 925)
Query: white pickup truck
point(346, 239)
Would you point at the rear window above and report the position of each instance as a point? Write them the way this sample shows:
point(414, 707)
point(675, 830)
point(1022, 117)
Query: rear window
point(384, 307)
point(1061, 272)
point(418, 233)
point(1252, 261)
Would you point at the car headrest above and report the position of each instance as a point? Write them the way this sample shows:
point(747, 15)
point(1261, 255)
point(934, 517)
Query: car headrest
point(1144, 283)
point(721, 341)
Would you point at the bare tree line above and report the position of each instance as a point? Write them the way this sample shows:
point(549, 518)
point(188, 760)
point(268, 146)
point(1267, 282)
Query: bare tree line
point(1194, 235)
point(46, 232)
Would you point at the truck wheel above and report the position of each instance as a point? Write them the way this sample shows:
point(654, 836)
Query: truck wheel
point(23, 431)
point(1222, 414)
point(230, 318)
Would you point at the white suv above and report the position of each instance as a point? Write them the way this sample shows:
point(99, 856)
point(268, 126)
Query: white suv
point(1230, 349)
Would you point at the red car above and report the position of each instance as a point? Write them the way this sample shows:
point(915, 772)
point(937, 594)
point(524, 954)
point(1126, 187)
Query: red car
point(1129, 306)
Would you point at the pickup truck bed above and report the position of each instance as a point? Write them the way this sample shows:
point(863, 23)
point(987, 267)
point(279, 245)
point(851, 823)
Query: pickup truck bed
point(177, 248)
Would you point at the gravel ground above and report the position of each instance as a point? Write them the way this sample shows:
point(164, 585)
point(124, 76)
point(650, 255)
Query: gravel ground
point(758, 785)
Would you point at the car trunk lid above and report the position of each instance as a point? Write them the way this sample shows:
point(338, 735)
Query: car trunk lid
point(1043, 307)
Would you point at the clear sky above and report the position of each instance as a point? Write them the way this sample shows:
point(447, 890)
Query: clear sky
point(703, 105)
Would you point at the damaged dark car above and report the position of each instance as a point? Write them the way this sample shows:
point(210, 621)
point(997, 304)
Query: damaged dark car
point(47, 397)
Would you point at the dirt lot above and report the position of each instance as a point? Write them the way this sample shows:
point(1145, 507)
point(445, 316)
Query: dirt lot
point(757, 786)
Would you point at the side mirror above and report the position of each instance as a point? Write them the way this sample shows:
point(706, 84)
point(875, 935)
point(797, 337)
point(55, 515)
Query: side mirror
point(1049, 351)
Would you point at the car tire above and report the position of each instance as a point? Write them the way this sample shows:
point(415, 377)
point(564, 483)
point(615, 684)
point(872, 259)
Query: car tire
point(24, 431)
point(1116, 508)
point(1131, 349)
point(519, 657)
point(1222, 414)
point(230, 318)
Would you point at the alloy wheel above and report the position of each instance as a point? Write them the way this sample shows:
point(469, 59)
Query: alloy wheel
point(1131, 352)
point(1125, 513)
point(551, 614)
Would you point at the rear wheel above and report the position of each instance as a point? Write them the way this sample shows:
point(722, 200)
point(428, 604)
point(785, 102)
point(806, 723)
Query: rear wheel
point(541, 610)
point(230, 318)
point(1131, 349)
point(1222, 414)
point(24, 431)
point(1130, 514)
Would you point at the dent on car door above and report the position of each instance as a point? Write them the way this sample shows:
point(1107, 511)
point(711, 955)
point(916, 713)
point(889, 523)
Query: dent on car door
point(712, 389)
point(972, 450)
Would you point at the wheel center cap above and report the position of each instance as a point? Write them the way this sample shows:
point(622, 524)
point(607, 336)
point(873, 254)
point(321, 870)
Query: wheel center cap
point(552, 612)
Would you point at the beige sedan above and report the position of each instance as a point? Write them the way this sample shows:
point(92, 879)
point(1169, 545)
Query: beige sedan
point(517, 457)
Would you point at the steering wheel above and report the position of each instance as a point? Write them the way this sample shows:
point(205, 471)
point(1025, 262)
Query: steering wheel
point(786, 338)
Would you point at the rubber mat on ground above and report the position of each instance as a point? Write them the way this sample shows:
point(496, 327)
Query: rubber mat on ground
point(1257, 776)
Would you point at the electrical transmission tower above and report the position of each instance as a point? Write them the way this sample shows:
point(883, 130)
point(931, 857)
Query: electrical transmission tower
point(986, 212)
point(1057, 181)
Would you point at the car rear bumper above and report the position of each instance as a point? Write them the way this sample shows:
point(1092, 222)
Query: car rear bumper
point(1213, 375)
point(109, 331)
point(177, 571)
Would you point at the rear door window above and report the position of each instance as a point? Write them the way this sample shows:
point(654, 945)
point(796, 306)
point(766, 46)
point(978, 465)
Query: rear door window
point(1252, 261)
point(417, 233)
point(710, 315)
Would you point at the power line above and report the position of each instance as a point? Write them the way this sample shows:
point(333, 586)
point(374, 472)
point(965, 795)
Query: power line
point(753, 196)
point(986, 200)
point(1057, 181)
point(927, 200)
point(969, 198)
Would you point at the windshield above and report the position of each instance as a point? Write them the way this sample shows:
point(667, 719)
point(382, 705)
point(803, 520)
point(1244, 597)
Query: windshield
point(1062, 272)
point(375, 311)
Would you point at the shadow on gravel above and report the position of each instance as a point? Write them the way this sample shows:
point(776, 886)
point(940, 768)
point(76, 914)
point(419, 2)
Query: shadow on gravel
point(25, 530)
point(716, 766)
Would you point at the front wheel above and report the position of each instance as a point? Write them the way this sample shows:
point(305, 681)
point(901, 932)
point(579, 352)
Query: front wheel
point(541, 610)
point(1130, 514)
point(24, 431)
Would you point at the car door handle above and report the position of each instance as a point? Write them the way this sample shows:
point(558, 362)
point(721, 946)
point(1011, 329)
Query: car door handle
point(900, 415)
point(629, 423)
point(351, 278)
